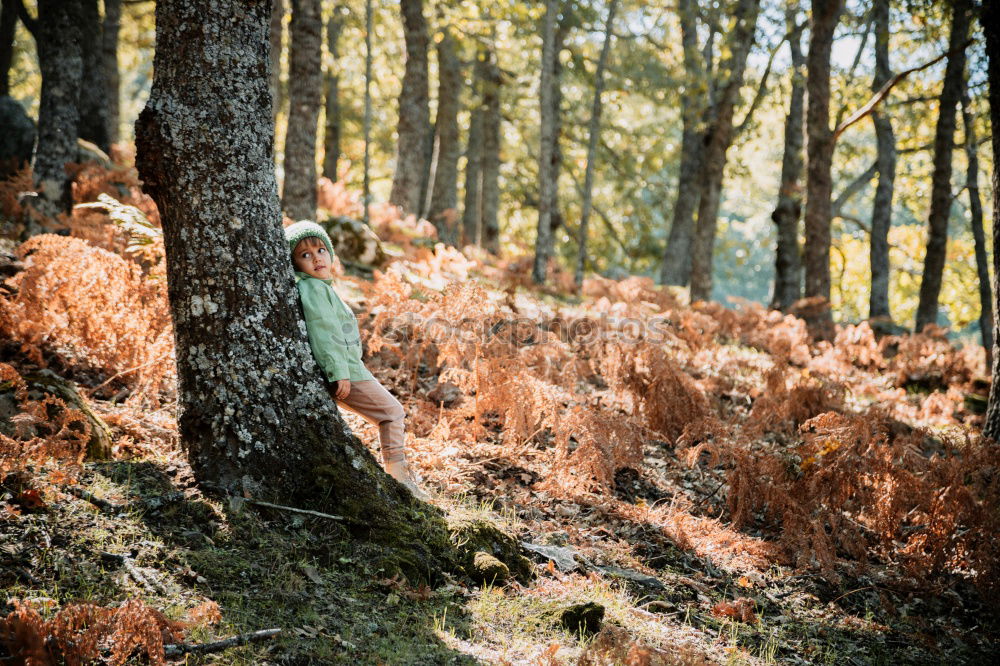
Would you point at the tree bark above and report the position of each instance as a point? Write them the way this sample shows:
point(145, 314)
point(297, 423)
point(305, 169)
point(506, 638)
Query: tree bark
point(109, 53)
point(819, 151)
point(990, 18)
point(786, 215)
point(546, 154)
point(978, 236)
point(471, 206)
point(254, 415)
point(878, 305)
point(331, 135)
point(60, 60)
point(941, 192)
point(93, 125)
point(717, 139)
point(414, 113)
point(8, 26)
point(275, 41)
point(490, 160)
point(305, 90)
point(592, 135)
point(443, 212)
point(676, 268)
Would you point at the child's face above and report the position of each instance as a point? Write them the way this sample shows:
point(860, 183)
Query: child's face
point(310, 257)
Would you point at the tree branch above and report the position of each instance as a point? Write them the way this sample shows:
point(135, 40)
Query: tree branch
point(179, 649)
point(876, 99)
point(852, 188)
point(854, 65)
point(762, 88)
point(30, 23)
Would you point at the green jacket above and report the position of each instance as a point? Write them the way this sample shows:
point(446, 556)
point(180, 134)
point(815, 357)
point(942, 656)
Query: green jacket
point(333, 330)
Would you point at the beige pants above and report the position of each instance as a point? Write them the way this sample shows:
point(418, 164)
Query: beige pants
point(372, 402)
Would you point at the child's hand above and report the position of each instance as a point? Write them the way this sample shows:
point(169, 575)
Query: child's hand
point(343, 389)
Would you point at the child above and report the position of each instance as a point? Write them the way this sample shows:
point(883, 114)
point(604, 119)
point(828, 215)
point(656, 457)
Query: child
point(336, 346)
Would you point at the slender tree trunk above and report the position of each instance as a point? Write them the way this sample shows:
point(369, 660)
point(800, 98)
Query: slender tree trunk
point(557, 154)
point(109, 54)
point(676, 268)
point(443, 212)
point(93, 125)
point(414, 113)
point(979, 238)
point(819, 150)
point(471, 207)
point(786, 215)
point(878, 306)
point(305, 89)
point(990, 18)
point(253, 414)
point(718, 137)
point(592, 135)
point(367, 129)
point(60, 59)
point(490, 159)
point(274, 38)
point(941, 190)
point(8, 26)
point(331, 136)
point(549, 114)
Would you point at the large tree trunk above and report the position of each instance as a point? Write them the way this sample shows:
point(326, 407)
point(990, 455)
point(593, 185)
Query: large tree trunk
point(786, 215)
point(592, 134)
point(331, 135)
point(93, 124)
point(443, 212)
point(819, 150)
point(305, 90)
point(718, 137)
point(274, 38)
point(414, 113)
point(8, 26)
point(60, 59)
point(490, 160)
point(254, 415)
point(109, 54)
point(941, 192)
point(979, 238)
point(878, 305)
point(471, 205)
point(676, 268)
point(990, 19)
point(548, 140)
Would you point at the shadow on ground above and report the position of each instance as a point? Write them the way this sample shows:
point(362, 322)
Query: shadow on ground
point(269, 569)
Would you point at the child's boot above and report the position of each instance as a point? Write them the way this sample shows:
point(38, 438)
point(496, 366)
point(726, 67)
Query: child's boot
point(400, 470)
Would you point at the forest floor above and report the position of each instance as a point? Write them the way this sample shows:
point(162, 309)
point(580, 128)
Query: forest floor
point(733, 523)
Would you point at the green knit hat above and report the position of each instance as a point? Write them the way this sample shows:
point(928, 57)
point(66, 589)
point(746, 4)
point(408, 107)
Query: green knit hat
point(303, 229)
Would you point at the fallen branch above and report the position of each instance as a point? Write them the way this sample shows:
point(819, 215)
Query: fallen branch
point(179, 649)
point(885, 89)
point(88, 496)
point(150, 583)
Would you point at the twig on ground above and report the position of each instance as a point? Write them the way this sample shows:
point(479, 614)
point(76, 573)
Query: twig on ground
point(710, 495)
point(308, 512)
point(179, 649)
